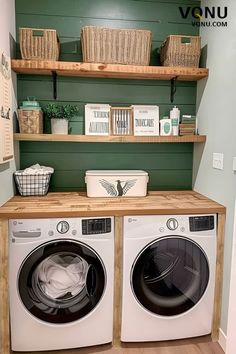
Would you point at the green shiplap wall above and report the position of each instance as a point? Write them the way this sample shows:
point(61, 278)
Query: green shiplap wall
point(169, 165)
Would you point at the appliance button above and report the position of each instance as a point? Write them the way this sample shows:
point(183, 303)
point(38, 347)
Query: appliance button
point(50, 233)
point(172, 224)
point(182, 229)
point(161, 229)
point(74, 232)
point(63, 227)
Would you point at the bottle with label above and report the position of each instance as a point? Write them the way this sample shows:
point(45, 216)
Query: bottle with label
point(175, 117)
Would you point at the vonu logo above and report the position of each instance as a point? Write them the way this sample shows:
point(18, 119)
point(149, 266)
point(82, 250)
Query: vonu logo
point(207, 12)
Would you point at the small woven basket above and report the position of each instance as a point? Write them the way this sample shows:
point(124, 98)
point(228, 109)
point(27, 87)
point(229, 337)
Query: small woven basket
point(115, 46)
point(179, 50)
point(37, 43)
point(30, 121)
point(32, 184)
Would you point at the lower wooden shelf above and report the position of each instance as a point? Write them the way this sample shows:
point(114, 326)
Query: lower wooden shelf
point(110, 139)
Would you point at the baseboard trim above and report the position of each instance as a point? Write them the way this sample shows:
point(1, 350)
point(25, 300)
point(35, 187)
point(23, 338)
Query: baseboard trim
point(222, 340)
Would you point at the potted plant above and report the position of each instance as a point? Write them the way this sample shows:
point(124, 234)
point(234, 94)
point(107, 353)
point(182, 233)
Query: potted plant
point(60, 115)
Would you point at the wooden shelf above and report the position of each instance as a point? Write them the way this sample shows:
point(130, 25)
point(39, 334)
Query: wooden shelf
point(111, 139)
point(49, 67)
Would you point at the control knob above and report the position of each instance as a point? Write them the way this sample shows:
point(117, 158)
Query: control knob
point(63, 227)
point(172, 224)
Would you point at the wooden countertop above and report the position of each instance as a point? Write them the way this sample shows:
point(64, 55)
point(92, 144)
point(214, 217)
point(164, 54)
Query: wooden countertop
point(78, 204)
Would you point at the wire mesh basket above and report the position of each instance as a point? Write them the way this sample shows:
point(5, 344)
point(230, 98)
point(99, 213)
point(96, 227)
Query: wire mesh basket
point(32, 184)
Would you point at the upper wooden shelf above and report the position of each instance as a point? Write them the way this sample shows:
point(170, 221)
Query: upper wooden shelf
point(49, 67)
point(111, 138)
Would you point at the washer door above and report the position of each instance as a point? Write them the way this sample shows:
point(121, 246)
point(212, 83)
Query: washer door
point(61, 281)
point(170, 275)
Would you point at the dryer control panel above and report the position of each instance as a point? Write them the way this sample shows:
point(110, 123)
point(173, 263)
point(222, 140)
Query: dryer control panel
point(201, 223)
point(96, 226)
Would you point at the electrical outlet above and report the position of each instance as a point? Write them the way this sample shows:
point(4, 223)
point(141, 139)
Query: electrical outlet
point(218, 161)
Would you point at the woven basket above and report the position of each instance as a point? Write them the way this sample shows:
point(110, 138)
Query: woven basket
point(30, 121)
point(115, 46)
point(179, 50)
point(37, 43)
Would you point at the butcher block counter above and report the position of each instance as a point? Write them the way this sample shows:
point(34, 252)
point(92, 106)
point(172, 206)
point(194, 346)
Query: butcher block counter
point(77, 204)
point(74, 204)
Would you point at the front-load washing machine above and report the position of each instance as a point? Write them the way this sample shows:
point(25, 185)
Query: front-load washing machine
point(168, 276)
point(61, 282)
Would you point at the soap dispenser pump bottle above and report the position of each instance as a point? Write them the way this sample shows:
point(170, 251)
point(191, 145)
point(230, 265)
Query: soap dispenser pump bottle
point(175, 113)
point(175, 118)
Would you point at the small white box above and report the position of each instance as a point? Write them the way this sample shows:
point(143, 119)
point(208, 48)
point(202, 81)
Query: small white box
point(97, 119)
point(116, 183)
point(146, 120)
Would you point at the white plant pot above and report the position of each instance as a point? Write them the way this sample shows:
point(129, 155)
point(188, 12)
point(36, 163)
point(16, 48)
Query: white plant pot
point(59, 126)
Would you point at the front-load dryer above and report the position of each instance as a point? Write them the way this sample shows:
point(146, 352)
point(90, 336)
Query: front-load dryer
point(61, 282)
point(168, 277)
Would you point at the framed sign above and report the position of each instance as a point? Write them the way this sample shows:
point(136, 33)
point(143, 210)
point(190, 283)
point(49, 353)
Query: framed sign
point(6, 126)
point(146, 120)
point(97, 119)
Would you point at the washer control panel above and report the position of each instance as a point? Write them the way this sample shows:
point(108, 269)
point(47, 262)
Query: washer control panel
point(63, 227)
point(201, 223)
point(172, 224)
point(96, 226)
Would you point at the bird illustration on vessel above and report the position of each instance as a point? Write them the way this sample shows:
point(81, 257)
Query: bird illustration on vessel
point(119, 189)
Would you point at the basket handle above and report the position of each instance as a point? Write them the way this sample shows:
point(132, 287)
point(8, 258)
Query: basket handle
point(185, 40)
point(37, 33)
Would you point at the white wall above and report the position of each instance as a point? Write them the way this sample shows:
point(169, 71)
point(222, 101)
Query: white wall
point(216, 102)
point(231, 337)
point(7, 27)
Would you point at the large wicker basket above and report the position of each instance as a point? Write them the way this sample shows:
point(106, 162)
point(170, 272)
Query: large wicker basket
point(37, 43)
point(179, 50)
point(30, 121)
point(115, 46)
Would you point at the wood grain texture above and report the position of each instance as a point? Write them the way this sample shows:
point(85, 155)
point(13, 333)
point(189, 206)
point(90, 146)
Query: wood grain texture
point(200, 345)
point(218, 277)
point(47, 67)
point(118, 280)
point(110, 139)
point(4, 298)
point(78, 204)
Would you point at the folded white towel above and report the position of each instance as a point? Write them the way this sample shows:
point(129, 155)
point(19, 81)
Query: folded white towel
point(62, 274)
point(37, 169)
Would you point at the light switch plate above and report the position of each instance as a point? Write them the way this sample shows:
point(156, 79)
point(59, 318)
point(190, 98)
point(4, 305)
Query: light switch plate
point(234, 164)
point(218, 161)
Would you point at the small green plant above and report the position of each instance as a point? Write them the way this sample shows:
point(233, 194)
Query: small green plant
point(54, 110)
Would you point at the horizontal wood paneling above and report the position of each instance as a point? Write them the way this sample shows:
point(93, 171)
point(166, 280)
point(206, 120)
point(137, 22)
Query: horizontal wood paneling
point(169, 166)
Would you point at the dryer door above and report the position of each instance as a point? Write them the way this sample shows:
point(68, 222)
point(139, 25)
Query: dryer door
point(61, 281)
point(170, 275)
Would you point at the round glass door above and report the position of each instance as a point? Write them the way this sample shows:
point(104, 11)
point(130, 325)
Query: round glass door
point(61, 281)
point(170, 275)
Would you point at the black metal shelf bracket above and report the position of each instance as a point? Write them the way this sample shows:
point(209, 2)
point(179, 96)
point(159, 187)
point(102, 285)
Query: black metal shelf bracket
point(54, 78)
point(173, 88)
